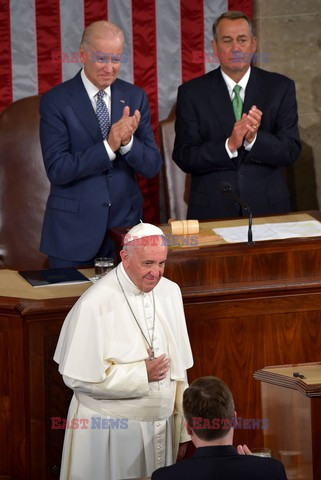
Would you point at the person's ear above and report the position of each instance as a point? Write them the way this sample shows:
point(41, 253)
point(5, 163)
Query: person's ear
point(214, 47)
point(124, 258)
point(254, 44)
point(84, 56)
point(188, 428)
point(235, 416)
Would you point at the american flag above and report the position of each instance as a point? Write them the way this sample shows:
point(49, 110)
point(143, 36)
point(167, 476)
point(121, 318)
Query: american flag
point(165, 42)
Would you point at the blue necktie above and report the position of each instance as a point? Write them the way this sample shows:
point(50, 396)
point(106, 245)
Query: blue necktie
point(237, 102)
point(102, 114)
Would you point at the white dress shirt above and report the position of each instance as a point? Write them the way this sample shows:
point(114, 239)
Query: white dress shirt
point(92, 91)
point(230, 86)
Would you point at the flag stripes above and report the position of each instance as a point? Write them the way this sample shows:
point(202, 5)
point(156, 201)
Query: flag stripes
point(48, 39)
point(192, 38)
point(5, 55)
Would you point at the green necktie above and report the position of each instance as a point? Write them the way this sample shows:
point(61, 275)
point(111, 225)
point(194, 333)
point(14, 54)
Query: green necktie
point(237, 102)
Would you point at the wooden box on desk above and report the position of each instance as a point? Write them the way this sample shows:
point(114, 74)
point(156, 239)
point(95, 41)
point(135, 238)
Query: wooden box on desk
point(291, 401)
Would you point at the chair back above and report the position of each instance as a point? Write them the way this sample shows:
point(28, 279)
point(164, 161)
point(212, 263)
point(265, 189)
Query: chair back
point(24, 186)
point(176, 182)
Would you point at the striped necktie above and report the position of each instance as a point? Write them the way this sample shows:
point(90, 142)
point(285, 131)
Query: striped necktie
point(237, 102)
point(102, 114)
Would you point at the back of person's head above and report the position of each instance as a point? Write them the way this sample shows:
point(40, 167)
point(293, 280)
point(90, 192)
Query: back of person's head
point(232, 15)
point(209, 408)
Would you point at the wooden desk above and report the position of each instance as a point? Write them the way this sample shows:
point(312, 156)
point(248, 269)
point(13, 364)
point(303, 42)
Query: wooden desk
point(293, 407)
point(246, 307)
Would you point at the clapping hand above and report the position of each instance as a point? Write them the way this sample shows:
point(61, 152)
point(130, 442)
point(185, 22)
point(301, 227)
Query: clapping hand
point(122, 131)
point(246, 128)
point(243, 450)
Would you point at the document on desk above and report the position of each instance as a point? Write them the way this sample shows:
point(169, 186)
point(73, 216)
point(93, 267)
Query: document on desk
point(270, 231)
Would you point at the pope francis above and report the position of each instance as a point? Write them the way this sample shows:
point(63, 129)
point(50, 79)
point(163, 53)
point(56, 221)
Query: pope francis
point(124, 351)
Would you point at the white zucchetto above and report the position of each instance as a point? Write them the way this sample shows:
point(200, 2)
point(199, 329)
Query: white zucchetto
point(142, 230)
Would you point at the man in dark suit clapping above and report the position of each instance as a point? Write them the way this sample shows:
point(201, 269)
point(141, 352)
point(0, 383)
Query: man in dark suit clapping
point(236, 124)
point(96, 136)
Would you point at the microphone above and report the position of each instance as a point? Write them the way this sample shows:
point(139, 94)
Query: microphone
point(228, 191)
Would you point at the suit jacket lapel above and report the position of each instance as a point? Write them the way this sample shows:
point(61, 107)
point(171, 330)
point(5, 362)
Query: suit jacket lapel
point(221, 103)
point(119, 99)
point(83, 108)
point(254, 93)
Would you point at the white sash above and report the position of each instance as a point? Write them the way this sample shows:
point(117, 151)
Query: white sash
point(158, 405)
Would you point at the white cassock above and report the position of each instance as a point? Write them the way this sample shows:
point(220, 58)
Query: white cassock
point(125, 427)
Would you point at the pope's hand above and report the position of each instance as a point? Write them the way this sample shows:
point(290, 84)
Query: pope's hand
point(157, 367)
